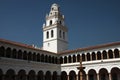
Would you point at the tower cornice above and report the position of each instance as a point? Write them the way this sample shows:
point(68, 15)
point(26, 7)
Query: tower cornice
point(54, 26)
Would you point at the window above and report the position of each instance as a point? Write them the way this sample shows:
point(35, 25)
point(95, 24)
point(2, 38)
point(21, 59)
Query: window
point(52, 33)
point(60, 33)
point(60, 22)
point(50, 22)
point(47, 35)
point(63, 35)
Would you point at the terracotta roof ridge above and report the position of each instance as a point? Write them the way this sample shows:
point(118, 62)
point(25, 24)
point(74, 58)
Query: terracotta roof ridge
point(22, 45)
point(91, 47)
point(15, 43)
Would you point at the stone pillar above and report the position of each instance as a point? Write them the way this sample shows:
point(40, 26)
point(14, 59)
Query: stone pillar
point(96, 57)
point(67, 77)
point(109, 76)
point(85, 57)
point(58, 77)
point(15, 77)
point(76, 77)
point(101, 56)
point(71, 59)
point(98, 76)
point(91, 57)
point(87, 77)
point(81, 75)
point(3, 77)
point(76, 58)
point(36, 77)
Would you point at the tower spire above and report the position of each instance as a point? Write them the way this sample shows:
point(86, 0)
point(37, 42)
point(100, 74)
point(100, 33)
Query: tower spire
point(55, 31)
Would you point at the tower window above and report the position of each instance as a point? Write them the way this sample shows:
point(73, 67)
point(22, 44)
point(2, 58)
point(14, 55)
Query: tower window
point(63, 35)
point(50, 22)
point(47, 36)
point(60, 22)
point(60, 34)
point(52, 34)
point(52, 9)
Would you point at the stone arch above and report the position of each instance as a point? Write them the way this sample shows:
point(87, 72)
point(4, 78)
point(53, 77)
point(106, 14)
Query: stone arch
point(20, 54)
point(42, 58)
point(21, 75)
point(50, 59)
point(65, 59)
point(104, 54)
point(25, 55)
point(56, 60)
point(46, 58)
point(10, 75)
point(83, 57)
point(69, 59)
point(8, 52)
point(38, 57)
point(48, 75)
point(14, 53)
point(34, 56)
point(63, 75)
point(74, 58)
point(88, 56)
point(98, 55)
point(40, 75)
point(54, 77)
point(2, 51)
point(110, 54)
point(116, 53)
point(115, 73)
point(53, 60)
point(92, 75)
point(61, 60)
point(29, 56)
point(93, 56)
point(72, 75)
point(31, 75)
point(1, 74)
point(103, 74)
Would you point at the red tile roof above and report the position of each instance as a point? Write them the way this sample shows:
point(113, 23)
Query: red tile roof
point(22, 45)
point(64, 52)
point(91, 47)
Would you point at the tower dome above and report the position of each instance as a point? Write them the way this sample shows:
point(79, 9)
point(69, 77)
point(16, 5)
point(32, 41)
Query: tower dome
point(55, 7)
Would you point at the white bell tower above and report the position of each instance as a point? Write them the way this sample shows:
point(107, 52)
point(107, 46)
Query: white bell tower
point(54, 31)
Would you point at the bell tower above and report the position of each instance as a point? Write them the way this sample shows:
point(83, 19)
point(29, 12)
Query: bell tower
point(54, 31)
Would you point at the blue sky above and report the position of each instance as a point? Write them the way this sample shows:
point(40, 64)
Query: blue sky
point(90, 22)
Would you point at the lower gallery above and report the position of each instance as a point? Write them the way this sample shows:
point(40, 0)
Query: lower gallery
point(24, 62)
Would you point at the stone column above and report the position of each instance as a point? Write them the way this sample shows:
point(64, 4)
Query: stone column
point(63, 60)
point(96, 57)
point(15, 77)
point(3, 77)
point(58, 77)
point(76, 58)
point(87, 77)
point(109, 76)
point(91, 57)
point(67, 77)
point(98, 76)
point(72, 59)
point(76, 77)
